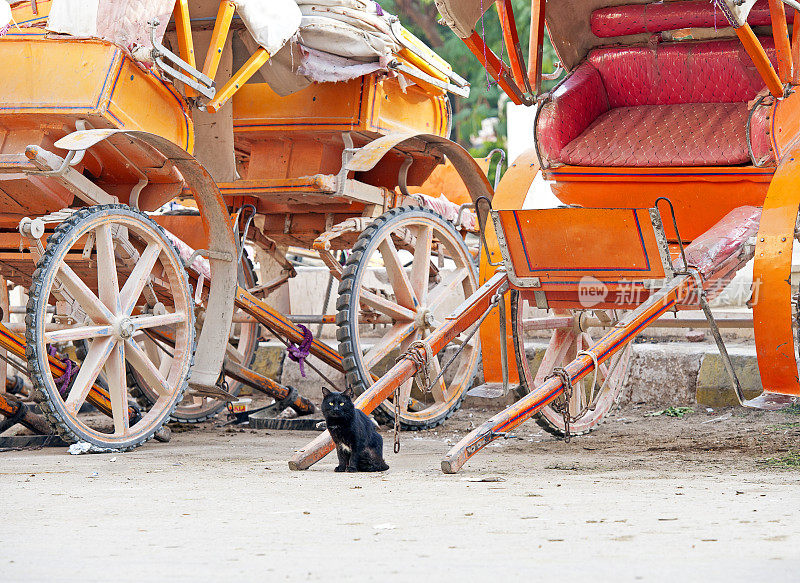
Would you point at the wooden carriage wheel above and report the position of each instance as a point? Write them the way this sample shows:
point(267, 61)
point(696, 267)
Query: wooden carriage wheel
point(107, 273)
point(429, 271)
point(242, 346)
point(597, 400)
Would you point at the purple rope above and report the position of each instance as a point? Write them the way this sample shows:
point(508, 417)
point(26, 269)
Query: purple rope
point(299, 352)
point(4, 30)
point(62, 382)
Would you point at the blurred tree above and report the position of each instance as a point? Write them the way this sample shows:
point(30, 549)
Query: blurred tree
point(421, 17)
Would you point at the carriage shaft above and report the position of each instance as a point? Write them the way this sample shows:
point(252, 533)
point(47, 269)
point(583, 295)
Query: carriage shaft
point(283, 326)
point(267, 386)
point(29, 419)
point(611, 343)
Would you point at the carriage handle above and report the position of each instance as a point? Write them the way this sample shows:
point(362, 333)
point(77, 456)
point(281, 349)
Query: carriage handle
point(490, 157)
point(482, 227)
point(677, 232)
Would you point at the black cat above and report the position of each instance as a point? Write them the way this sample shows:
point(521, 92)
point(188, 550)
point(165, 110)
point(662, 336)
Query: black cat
point(358, 444)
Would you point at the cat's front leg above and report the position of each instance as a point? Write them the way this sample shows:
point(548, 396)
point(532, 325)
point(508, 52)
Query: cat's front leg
point(344, 458)
point(352, 465)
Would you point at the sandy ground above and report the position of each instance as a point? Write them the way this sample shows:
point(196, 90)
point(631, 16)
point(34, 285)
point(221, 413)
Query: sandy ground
point(641, 499)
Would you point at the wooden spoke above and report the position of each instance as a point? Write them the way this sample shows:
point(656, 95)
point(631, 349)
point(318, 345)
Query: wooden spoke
point(405, 395)
point(445, 289)
point(385, 306)
point(143, 322)
point(139, 277)
point(439, 388)
point(234, 354)
point(145, 367)
point(118, 388)
point(92, 364)
point(107, 282)
point(387, 343)
point(90, 303)
point(397, 275)
point(405, 388)
point(420, 267)
point(80, 333)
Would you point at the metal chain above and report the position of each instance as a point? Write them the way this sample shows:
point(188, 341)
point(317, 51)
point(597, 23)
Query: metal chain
point(397, 420)
point(420, 354)
point(562, 374)
point(416, 358)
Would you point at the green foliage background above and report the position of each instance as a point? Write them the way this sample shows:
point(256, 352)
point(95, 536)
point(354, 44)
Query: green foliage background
point(483, 100)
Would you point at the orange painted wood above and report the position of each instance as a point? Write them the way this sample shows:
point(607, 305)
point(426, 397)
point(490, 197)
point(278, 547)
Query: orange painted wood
point(772, 309)
point(511, 38)
point(536, 46)
point(796, 48)
point(780, 32)
point(760, 59)
point(565, 244)
point(701, 195)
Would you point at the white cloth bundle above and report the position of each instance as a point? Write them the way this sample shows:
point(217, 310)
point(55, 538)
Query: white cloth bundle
point(123, 22)
point(352, 29)
point(272, 23)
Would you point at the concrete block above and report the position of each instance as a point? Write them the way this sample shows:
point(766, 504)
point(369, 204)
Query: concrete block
point(269, 361)
point(714, 388)
point(663, 374)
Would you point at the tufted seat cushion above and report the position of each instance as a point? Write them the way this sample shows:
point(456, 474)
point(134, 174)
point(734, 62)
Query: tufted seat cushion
point(683, 134)
point(670, 104)
point(660, 16)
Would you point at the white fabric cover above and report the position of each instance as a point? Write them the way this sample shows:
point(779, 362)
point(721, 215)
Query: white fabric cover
point(355, 29)
point(123, 22)
point(327, 68)
point(271, 22)
point(339, 38)
point(462, 15)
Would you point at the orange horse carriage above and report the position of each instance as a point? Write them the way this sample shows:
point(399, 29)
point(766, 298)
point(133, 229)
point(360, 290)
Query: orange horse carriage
point(672, 141)
point(310, 124)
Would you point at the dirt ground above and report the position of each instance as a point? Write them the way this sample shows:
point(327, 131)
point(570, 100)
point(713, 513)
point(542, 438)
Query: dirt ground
point(712, 496)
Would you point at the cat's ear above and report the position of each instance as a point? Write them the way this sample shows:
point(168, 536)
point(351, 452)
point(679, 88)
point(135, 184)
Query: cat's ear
point(325, 392)
point(348, 392)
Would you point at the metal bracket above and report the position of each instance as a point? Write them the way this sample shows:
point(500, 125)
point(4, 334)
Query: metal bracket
point(218, 255)
point(198, 81)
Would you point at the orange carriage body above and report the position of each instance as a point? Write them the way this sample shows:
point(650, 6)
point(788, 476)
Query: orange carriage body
point(661, 100)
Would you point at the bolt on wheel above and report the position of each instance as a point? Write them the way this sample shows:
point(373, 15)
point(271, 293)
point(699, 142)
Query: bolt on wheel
point(107, 274)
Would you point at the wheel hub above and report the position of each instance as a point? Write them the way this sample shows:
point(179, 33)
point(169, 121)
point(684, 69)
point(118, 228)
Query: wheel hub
point(124, 329)
point(424, 318)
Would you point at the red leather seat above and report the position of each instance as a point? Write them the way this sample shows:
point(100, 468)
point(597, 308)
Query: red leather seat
point(670, 104)
point(661, 16)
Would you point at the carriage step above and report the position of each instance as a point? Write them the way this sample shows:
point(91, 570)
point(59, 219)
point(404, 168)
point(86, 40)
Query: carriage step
point(490, 391)
point(771, 401)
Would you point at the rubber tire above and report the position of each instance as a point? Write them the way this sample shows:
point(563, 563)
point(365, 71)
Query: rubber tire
point(48, 403)
point(346, 305)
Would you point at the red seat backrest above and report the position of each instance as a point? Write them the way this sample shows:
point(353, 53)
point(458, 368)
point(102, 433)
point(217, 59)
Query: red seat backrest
point(660, 16)
point(718, 71)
